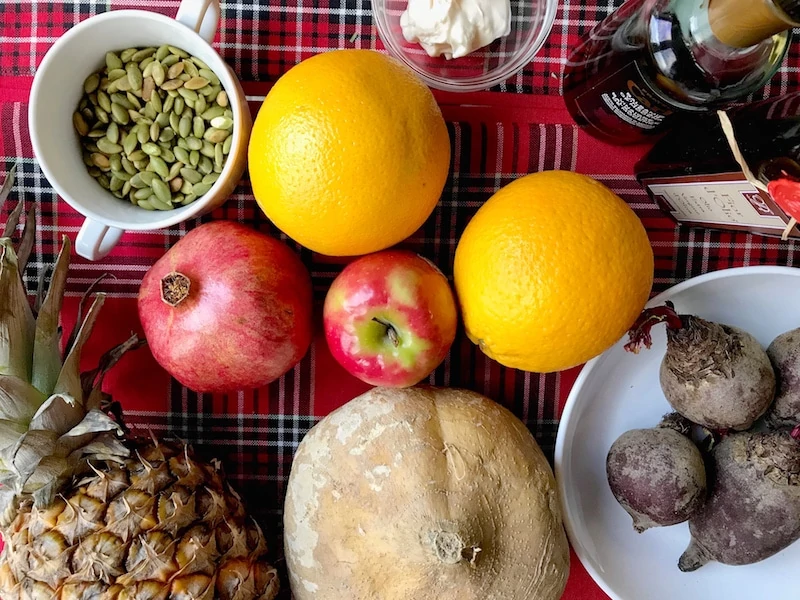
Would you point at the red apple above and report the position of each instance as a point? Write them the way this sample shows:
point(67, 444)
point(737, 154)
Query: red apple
point(390, 318)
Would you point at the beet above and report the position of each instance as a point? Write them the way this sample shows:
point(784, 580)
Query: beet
point(784, 352)
point(657, 475)
point(753, 508)
point(713, 374)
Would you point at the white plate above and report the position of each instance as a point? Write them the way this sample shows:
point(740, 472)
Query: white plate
point(619, 391)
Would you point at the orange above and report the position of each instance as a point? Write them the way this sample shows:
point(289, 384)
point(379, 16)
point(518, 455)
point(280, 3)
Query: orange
point(349, 153)
point(551, 271)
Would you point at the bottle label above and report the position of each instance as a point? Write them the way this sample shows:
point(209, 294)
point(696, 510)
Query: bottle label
point(719, 200)
point(625, 96)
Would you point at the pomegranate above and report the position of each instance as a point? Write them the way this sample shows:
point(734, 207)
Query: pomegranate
point(227, 308)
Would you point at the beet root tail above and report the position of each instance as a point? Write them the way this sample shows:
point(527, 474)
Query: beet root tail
point(640, 333)
point(693, 558)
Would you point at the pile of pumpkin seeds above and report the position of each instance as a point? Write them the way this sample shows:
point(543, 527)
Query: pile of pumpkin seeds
point(155, 126)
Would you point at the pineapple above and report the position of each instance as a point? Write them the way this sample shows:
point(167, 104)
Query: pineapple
point(86, 512)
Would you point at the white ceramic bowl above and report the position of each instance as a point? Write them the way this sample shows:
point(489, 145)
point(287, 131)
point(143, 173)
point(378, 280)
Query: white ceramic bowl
point(619, 391)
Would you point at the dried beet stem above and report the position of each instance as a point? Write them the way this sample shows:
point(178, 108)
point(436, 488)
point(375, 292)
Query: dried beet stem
point(640, 334)
point(693, 558)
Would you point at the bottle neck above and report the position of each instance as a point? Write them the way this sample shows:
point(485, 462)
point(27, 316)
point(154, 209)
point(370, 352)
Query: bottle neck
point(745, 23)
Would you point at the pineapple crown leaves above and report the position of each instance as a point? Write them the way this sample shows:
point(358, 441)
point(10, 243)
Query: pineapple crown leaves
point(53, 419)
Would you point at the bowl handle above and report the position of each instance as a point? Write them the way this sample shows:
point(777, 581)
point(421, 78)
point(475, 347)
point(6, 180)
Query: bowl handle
point(96, 240)
point(201, 16)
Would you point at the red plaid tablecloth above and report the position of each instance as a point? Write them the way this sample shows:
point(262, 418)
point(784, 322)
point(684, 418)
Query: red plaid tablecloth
point(497, 136)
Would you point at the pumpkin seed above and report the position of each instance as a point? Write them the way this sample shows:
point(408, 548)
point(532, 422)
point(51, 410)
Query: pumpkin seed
point(162, 120)
point(180, 104)
point(189, 199)
point(112, 133)
point(172, 84)
point(126, 188)
point(94, 171)
point(143, 134)
point(115, 184)
point(205, 166)
point(215, 135)
point(207, 149)
point(106, 146)
point(159, 205)
point(137, 156)
point(195, 83)
point(143, 193)
point(142, 54)
point(104, 101)
point(113, 61)
point(96, 133)
point(190, 103)
point(115, 74)
point(194, 143)
point(222, 98)
point(134, 76)
point(147, 89)
point(100, 160)
point(190, 175)
point(200, 188)
point(167, 155)
point(122, 100)
point(136, 103)
point(174, 122)
point(146, 63)
point(201, 105)
point(175, 70)
point(178, 52)
point(159, 166)
point(161, 190)
point(145, 205)
point(148, 70)
point(211, 178)
point(156, 103)
point(213, 112)
point(148, 177)
point(219, 155)
point(210, 75)
point(125, 55)
point(115, 162)
point(167, 103)
point(91, 83)
point(151, 149)
point(181, 155)
point(170, 60)
point(101, 115)
point(198, 127)
point(80, 124)
point(191, 69)
point(175, 184)
point(187, 93)
point(123, 84)
point(226, 146)
point(103, 181)
point(167, 135)
point(222, 122)
point(120, 115)
point(128, 166)
point(174, 171)
point(194, 158)
point(158, 74)
point(155, 131)
point(186, 188)
point(162, 52)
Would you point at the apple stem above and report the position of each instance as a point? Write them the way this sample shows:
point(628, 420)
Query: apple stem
point(391, 332)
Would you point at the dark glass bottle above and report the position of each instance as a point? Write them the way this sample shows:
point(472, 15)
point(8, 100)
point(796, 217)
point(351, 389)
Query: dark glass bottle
point(694, 176)
point(652, 59)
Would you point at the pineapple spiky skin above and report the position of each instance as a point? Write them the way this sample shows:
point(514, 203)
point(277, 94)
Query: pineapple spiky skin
point(160, 526)
point(87, 513)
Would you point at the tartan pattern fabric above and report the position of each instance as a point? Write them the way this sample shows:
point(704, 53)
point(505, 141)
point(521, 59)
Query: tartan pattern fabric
point(496, 137)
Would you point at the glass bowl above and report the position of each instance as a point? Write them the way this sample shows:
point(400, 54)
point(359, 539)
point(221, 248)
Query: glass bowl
point(486, 67)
